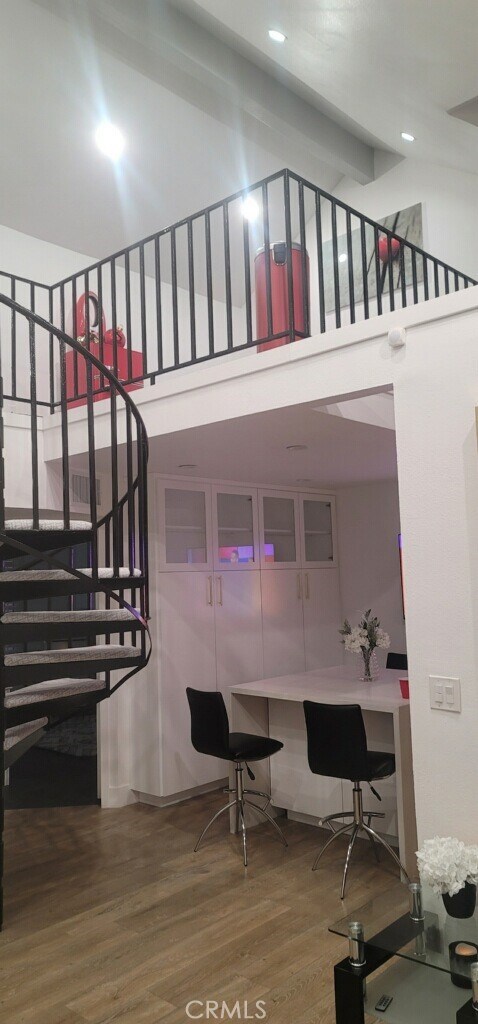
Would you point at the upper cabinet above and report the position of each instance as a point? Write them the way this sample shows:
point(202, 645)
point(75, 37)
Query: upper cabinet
point(279, 529)
point(185, 526)
point(318, 530)
point(235, 532)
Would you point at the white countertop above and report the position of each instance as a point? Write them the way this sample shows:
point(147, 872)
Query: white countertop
point(337, 685)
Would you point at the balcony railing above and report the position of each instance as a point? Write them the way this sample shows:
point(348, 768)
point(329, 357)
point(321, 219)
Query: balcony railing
point(204, 288)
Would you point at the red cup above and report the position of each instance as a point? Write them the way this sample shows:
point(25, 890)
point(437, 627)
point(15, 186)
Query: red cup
point(404, 688)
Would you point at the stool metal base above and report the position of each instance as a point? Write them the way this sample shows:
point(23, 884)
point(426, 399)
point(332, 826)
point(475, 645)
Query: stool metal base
point(240, 801)
point(358, 824)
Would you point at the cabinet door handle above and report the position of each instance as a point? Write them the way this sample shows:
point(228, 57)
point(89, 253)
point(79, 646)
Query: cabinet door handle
point(219, 589)
point(209, 590)
point(299, 587)
point(307, 589)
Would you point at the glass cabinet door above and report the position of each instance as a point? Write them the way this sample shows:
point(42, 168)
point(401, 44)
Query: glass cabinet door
point(185, 537)
point(279, 532)
point(318, 530)
point(235, 528)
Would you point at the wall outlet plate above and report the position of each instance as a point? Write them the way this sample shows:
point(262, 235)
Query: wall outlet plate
point(445, 693)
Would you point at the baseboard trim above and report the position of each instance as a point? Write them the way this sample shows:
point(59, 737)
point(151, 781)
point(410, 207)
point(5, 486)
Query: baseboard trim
point(177, 798)
point(118, 796)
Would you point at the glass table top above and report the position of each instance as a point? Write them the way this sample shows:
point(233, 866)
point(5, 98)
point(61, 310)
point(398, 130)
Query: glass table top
point(388, 927)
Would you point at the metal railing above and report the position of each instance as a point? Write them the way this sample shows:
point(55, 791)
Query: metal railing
point(204, 288)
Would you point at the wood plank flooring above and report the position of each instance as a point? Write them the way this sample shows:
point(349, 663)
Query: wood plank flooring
point(111, 917)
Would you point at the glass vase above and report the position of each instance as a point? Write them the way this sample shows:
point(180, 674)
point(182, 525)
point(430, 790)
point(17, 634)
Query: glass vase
point(371, 670)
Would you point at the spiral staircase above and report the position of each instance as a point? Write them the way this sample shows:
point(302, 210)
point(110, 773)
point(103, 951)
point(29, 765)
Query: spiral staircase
point(59, 659)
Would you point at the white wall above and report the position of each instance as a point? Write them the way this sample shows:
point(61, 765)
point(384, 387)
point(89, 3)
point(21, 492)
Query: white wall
point(368, 521)
point(449, 206)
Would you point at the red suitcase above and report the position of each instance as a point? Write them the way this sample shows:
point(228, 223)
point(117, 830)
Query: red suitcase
point(279, 293)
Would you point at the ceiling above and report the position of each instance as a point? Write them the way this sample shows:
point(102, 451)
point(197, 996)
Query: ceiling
point(340, 450)
point(209, 104)
point(378, 65)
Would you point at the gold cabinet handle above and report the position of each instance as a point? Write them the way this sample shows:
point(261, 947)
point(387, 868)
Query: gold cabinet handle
point(307, 589)
point(209, 590)
point(219, 589)
point(299, 587)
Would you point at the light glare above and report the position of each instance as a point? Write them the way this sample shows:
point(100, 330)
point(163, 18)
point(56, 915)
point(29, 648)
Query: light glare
point(277, 36)
point(110, 140)
point(250, 209)
point(407, 137)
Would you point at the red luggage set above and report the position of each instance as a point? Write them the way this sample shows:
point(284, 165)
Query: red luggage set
point(76, 380)
point(76, 383)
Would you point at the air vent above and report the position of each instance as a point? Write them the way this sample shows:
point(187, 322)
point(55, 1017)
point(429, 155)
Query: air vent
point(80, 490)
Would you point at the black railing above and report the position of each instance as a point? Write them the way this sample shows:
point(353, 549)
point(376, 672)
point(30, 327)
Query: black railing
point(204, 288)
point(119, 537)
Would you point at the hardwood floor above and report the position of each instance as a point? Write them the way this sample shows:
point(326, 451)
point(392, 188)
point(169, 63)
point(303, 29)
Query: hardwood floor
point(111, 917)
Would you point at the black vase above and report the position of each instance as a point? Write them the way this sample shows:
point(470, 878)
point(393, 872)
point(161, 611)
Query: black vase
point(463, 903)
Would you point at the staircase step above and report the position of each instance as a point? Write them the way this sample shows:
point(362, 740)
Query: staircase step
point(19, 738)
point(18, 626)
point(47, 524)
point(52, 689)
point(29, 583)
point(74, 654)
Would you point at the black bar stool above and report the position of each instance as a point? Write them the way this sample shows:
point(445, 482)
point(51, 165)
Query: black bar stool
point(210, 735)
point(337, 748)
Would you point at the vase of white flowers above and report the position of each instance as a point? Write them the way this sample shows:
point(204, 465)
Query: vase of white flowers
point(363, 639)
point(451, 870)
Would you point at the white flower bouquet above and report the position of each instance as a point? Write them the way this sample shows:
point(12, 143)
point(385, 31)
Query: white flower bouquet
point(446, 864)
point(364, 638)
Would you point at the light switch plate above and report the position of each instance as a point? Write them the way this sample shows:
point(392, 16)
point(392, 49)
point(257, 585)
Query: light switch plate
point(445, 693)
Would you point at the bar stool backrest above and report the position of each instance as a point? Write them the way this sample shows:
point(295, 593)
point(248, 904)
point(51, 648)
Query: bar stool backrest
point(399, 661)
point(336, 740)
point(209, 722)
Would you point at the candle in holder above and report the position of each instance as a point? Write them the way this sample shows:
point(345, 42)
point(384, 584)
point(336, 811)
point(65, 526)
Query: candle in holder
point(462, 956)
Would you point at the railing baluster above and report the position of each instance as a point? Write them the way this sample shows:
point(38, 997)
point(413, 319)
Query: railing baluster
point(51, 352)
point(425, 279)
point(101, 346)
point(92, 467)
point(159, 312)
point(247, 277)
point(210, 308)
point(267, 257)
point(335, 262)
point(303, 262)
point(142, 298)
point(350, 266)
point(192, 296)
point(13, 332)
point(127, 285)
point(114, 319)
point(174, 296)
point(33, 413)
point(447, 282)
point(288, 256)
point(378, 272)
point(227, 276)
point(403, 274)
point(391, 286)
point(414, 276)
point(457, 282)
point(131, 508)
point(76, 389)
point(363, 251)
point(114, 478)
point(65, 460)
point(436, 279)
point(320, 260)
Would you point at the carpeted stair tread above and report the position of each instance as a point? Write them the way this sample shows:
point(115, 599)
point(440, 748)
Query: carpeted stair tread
point(52, 689)
point(108, 652)
point(56, 575)
point(92, 615)
point(46, 524)
point(20, 732)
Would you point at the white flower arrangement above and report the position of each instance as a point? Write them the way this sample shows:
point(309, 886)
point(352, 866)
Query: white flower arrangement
point(364, 638)
point(446, 864)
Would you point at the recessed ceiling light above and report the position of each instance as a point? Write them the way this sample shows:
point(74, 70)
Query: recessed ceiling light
point(277, 36)
point(110, 140)
point(343, 257)
point(296, 447)
point(187, 465)
point(250, 209)
point(407, 137)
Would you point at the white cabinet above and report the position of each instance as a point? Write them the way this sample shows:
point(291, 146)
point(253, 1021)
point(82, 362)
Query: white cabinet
point(186, 657)
point(318, 531)
point(235, 531)
point(279, 529)
point(185, 541)
point(322, 618)
point(282, 623)
point(238, 629)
